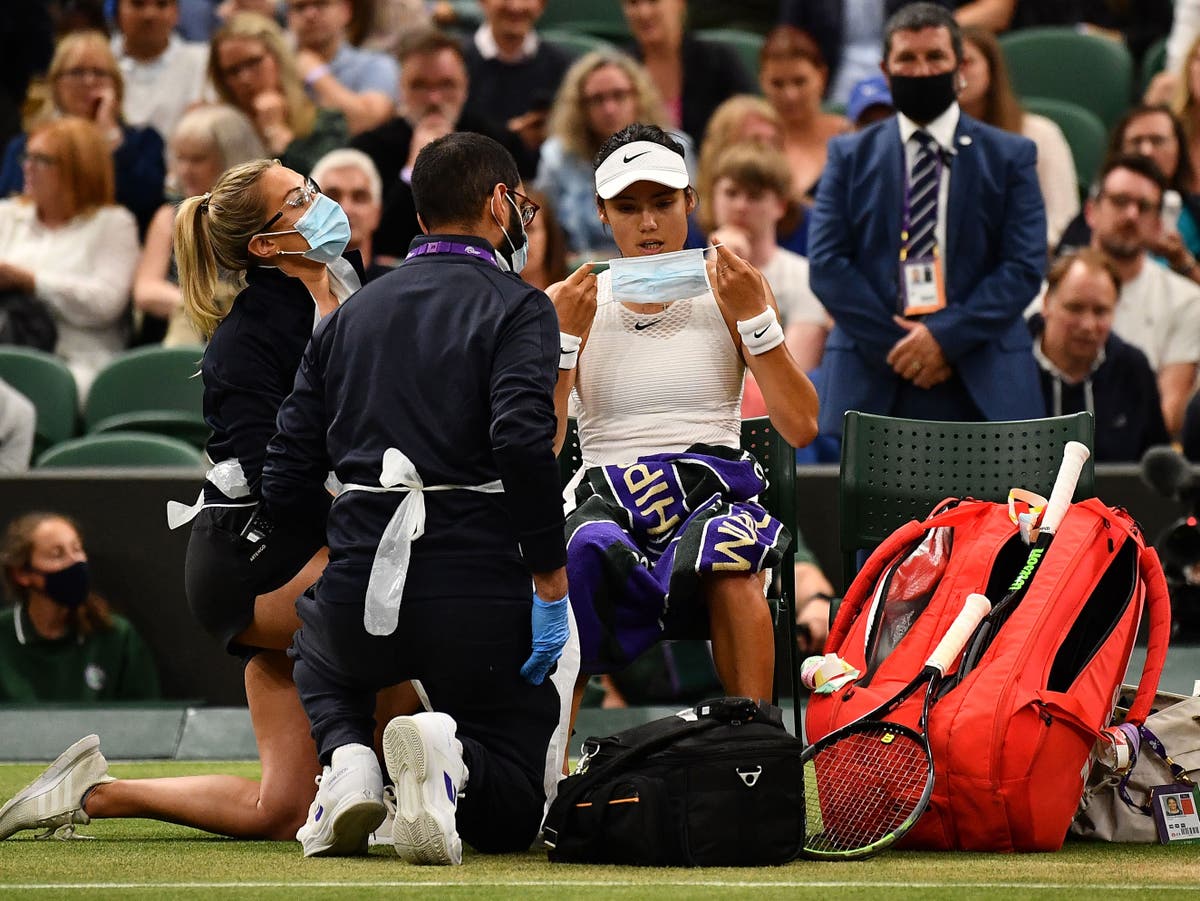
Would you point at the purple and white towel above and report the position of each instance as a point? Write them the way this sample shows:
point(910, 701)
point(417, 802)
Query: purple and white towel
point(641, 537)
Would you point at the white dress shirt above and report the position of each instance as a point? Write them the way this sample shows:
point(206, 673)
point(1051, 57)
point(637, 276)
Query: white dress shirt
point(158, 93)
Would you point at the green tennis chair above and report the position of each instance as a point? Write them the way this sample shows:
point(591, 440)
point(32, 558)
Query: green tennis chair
point(1153, 62)
point(896, 470)
point(151, 389)
point(1082, 128)
point(121, 449)
point(600, 18)
point(1094, 72)
point(50, 386)
point(778, 460)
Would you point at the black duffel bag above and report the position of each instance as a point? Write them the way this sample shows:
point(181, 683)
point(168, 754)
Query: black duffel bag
point(720, 784)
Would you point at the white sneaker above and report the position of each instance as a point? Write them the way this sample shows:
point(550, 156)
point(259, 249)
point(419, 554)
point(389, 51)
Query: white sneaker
point(348, 806)
point(383, 835)
point(54, 799)
point(425, 761)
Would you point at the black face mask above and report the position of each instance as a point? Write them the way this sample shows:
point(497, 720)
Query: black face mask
point(923, 97)
point(67, 587)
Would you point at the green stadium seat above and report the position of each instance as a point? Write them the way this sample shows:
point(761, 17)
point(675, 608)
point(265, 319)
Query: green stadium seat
point(50, 386)
point(574, 43)
point(1153, 62)
point(151, 389)
point(1094, 72)
point(896, 470)
point(599, 18)
point(121, 449)
point(746, 44)
point(1082, 128)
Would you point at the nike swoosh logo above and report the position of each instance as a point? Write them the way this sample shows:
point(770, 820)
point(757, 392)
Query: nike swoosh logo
point(759, 334)
point(630, 159)
point(638, 326)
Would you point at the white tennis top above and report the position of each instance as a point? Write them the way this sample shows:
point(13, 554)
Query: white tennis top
point(652, 383)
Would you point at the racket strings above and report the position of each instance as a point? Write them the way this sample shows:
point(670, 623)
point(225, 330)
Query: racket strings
point(863, 787)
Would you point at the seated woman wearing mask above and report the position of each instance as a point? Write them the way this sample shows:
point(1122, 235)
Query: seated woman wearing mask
point(60, 641)
point(243, 573)
point(654, 356)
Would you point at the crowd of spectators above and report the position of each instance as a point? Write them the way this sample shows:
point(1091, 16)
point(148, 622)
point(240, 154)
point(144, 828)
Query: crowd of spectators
point(111, 112)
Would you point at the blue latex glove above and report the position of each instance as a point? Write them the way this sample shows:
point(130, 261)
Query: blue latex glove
point(550, 632)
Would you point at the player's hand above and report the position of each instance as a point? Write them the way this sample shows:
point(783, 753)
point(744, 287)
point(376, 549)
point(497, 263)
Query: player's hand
point(737, 285)
point(732, 237)
point(550, 632)
point(574, 300)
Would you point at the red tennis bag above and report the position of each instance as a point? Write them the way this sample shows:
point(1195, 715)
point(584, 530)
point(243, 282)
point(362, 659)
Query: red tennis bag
point(1013, 730)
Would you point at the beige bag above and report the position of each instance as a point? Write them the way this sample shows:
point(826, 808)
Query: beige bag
point(1103, 814)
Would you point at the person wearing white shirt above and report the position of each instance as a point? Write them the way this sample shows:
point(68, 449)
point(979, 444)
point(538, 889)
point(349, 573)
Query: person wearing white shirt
point(164, 74)
point(67, 244)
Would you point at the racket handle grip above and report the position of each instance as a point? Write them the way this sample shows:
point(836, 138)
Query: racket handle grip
point(975, 608)
point(1075, 454)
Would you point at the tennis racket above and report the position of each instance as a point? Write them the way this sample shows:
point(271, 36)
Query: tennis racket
point(1075, 455)
point(866, 783)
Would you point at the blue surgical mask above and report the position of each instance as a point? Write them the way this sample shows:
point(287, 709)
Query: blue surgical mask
point(326, 229)
point(67, 587)
point(659, 278)
point(516, 255)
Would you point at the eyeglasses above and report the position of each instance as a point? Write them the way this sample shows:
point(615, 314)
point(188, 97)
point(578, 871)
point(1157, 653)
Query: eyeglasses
point(82, 73)
point(42, 160)
point(1144, 207)
point(246, 65)
point(594, 101)
point(525, 207)
point(299, 196)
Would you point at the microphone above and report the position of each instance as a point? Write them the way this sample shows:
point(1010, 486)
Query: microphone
point(1166, 471)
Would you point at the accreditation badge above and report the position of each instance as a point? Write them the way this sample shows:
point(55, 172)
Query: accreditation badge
point(1176, 812)
point(922, 285)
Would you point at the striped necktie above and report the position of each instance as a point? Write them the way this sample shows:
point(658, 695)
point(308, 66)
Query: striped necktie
point(923, 183)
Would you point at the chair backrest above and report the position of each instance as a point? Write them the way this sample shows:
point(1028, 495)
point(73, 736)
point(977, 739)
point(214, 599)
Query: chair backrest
point(746, 44)
point(574, 43)
point(124, 449)
point(158, 379)
point(601, 18)
point(1082, 128)
point(1095, 72)
point(1154, 60)
point(50, 386)
point(896, 470)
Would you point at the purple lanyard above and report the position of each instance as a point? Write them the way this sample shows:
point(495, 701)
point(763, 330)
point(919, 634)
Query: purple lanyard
point(469, 250)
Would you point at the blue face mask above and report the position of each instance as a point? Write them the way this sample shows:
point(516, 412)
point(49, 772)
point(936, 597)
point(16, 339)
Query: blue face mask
point(326, 229)
point(659, 278)
point(516, 255)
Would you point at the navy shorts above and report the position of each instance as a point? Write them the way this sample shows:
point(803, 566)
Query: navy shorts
point(225, 571)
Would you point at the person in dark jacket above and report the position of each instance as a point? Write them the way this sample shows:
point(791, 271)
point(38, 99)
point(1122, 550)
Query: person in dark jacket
point(1084, 366)
point(430, 397)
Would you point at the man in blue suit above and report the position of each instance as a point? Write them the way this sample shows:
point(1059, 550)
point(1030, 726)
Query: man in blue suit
point(927, 242)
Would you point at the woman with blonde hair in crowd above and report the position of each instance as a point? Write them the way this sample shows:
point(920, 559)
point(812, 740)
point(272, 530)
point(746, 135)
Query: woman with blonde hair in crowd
point(793, 74)
point(67, 244)
point(207, 141)
point(243, 572)
point(84, 80)
point(987, 95)
point(61, 641)
point(253, 68)
point(601, 93)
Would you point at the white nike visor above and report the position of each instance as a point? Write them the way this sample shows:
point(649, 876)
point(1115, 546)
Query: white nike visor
point(640, 161)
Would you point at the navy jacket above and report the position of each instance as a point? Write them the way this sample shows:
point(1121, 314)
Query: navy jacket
point(250, 364)
point(453, 362)
point(995, 257)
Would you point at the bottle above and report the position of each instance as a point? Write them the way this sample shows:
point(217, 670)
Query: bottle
point(1172, 206)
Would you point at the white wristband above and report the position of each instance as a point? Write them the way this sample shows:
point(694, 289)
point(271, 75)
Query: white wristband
point(762, 333)
point(569, 346)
